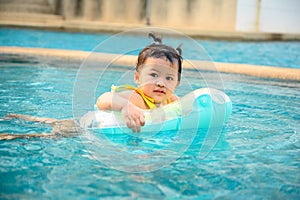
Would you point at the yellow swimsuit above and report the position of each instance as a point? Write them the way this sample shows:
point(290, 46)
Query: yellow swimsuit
point(148, 100)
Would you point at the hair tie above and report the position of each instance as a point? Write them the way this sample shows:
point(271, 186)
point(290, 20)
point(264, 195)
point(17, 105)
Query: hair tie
point(179, 50)
point(155, 38)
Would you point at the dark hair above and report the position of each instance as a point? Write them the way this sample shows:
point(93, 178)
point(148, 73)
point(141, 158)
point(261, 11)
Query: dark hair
point(159, 50)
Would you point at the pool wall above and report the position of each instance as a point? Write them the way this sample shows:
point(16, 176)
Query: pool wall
point(75, 58)
point(227, 19)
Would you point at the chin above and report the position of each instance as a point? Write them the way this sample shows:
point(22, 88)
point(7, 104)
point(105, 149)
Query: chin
point(159, 100)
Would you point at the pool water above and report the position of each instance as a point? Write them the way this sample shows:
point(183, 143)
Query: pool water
point(278, 54)
point(256, 157)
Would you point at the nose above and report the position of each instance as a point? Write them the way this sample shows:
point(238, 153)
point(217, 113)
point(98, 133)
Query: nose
point(160, 83)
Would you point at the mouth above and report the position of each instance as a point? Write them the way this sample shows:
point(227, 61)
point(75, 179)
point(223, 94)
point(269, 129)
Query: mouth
point(159, 91)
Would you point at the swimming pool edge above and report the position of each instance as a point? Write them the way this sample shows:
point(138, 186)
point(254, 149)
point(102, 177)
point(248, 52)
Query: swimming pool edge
point(75, 56)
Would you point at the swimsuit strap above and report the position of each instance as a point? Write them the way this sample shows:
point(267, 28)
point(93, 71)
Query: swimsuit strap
point(148, 100)
point(122, 88)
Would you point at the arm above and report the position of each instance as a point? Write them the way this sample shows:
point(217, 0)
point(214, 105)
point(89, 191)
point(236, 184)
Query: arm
point(133, 115)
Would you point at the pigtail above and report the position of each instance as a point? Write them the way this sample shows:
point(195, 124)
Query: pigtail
point(179, 50)
point(155, 38)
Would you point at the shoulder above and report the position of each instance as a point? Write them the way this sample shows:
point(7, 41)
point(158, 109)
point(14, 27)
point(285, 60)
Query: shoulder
point(125, 94)
point(138, 100)
point(134, 98)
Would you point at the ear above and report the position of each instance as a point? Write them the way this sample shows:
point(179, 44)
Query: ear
point(137, 77)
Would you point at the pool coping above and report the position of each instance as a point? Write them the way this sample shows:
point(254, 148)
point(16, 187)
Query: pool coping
point(71, 56)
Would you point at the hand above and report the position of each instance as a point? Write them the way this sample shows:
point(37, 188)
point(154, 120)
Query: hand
point(133, 116)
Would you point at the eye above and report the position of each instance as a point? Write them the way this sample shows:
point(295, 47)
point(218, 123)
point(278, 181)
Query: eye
point(169, 78)
point(154, 75)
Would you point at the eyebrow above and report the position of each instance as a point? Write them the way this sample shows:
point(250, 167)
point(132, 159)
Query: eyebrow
point(171, 74)
point(152, 68)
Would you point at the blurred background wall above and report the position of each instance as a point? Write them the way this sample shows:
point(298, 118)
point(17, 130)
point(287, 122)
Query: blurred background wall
point(273, 16)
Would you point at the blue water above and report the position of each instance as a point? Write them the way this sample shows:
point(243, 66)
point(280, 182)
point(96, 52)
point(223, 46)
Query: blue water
point(256, 157)
point(279, 54)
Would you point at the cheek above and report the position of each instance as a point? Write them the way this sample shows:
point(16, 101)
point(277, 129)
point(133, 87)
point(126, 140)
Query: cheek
point(147, 86)
point(172, 86)
point(148, 80)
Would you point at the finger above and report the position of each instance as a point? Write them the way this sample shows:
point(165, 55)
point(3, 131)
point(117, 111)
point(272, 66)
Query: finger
point(138, 129)
point(133, 128)
point(142, 120)
point(128, 123)
point(137, 125)
point(132, 125)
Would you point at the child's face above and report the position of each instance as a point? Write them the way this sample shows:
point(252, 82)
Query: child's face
point(158, 78)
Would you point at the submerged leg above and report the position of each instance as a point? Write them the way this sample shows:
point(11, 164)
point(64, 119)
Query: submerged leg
point(61, 128)
point(32, 118)
point(8, 136)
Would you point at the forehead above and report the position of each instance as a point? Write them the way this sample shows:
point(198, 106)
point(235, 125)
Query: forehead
point(161, 63)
